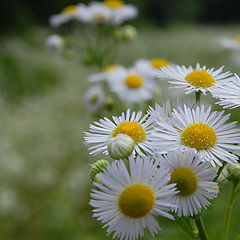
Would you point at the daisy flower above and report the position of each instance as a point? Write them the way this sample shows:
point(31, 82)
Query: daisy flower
point(194, 179)
point(151, 67)
point(77, 12)
point(193, 80)
point(94, 98)
point(97, 13)
point(129, 124)
point(127, 200)
point(228, 93)
point(120, 11)
point(132, 86)
point(103, 75)
point(230, 43)
point(205, 132)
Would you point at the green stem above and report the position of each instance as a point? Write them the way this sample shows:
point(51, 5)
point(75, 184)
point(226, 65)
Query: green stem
point(219, 172)
point(201, 228)
point(198, 95)
point(232, 199)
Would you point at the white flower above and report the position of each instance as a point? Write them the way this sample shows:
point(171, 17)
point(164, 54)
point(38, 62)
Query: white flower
point(120, 11)
point(54, 43)
point(194, 179)
point(129, 124)
point(230, 43)
point(106, 71)
point(228, 93)
point(97, 13)
point(94, 98)
point(151, 67)
point(206, 132)
point(132, 86)
point(126, 201)
point(194, 80)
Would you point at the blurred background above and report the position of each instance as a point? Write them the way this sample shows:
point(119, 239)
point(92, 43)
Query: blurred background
point(44, 180)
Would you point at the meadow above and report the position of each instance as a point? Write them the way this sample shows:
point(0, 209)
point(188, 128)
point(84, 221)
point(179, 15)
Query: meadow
point(44, 164)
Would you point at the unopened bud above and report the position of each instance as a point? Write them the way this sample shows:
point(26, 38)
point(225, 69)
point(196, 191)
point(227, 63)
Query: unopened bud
point(234, 172)
point(97, 168)
point(54, 43)
point(120, 146)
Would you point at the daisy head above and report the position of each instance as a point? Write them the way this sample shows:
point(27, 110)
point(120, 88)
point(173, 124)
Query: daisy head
point(67, 14)
point(151, 67)
point(132, 86)
point(119, 11)
point(193, 79)
point(230, 43)
point(128, 199)
point(94, 98)
point(129, 124)
point(205, 132)
point(228, 93)
point(193, 179)
point(106, 71)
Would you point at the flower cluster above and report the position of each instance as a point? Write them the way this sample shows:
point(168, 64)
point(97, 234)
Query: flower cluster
point(164, 163)
point(113, 12)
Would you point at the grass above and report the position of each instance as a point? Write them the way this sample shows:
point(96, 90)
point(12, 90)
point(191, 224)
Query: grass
point(44, 182)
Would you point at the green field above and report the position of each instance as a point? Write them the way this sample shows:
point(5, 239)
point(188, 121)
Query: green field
point(44, 181)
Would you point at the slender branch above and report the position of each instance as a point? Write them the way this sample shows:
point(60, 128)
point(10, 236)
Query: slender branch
point(219, 172)
point(198, 95)
point(233, 197)
point(201, 228)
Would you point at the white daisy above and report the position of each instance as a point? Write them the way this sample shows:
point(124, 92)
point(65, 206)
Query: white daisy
point(230, 43)
point(228, 93)
point(97, 12)
point(94, 98)
point(151, 67)
point(77, 12)
point(127, 200)
point(120, 11)
point(132, 86)
point(207, 133)
point(103, 75)
point(128, 124)
point(194, 179)
point(54, 43)
point(193, 80)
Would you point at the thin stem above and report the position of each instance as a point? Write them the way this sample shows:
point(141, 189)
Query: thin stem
point(201, 228)
point(232, 199)
point(198, 95)
point(219, 172)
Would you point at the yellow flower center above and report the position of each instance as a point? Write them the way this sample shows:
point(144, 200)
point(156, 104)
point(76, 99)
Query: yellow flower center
point(186, 181)
point(199, 136)
point(237, 38)
point(134, 81)
point(93, 98)
point(200, 78)
point(114, 3)
point(132, 129)
point(158, 63)
point(99, 17)
point(110, 68)
point(136, 201)
point(70, 10)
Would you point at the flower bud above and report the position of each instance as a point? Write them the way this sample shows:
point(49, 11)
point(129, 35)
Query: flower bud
point(96, 168)
point(234, 172)
point(54, 43)
point(120, 146)
point(129, 32)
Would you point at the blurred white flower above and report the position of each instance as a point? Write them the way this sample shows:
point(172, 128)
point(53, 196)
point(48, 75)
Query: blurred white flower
point(54, 43)
point(132, 86)
point(230, 43)
point(94, 98)
point(106, 71)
